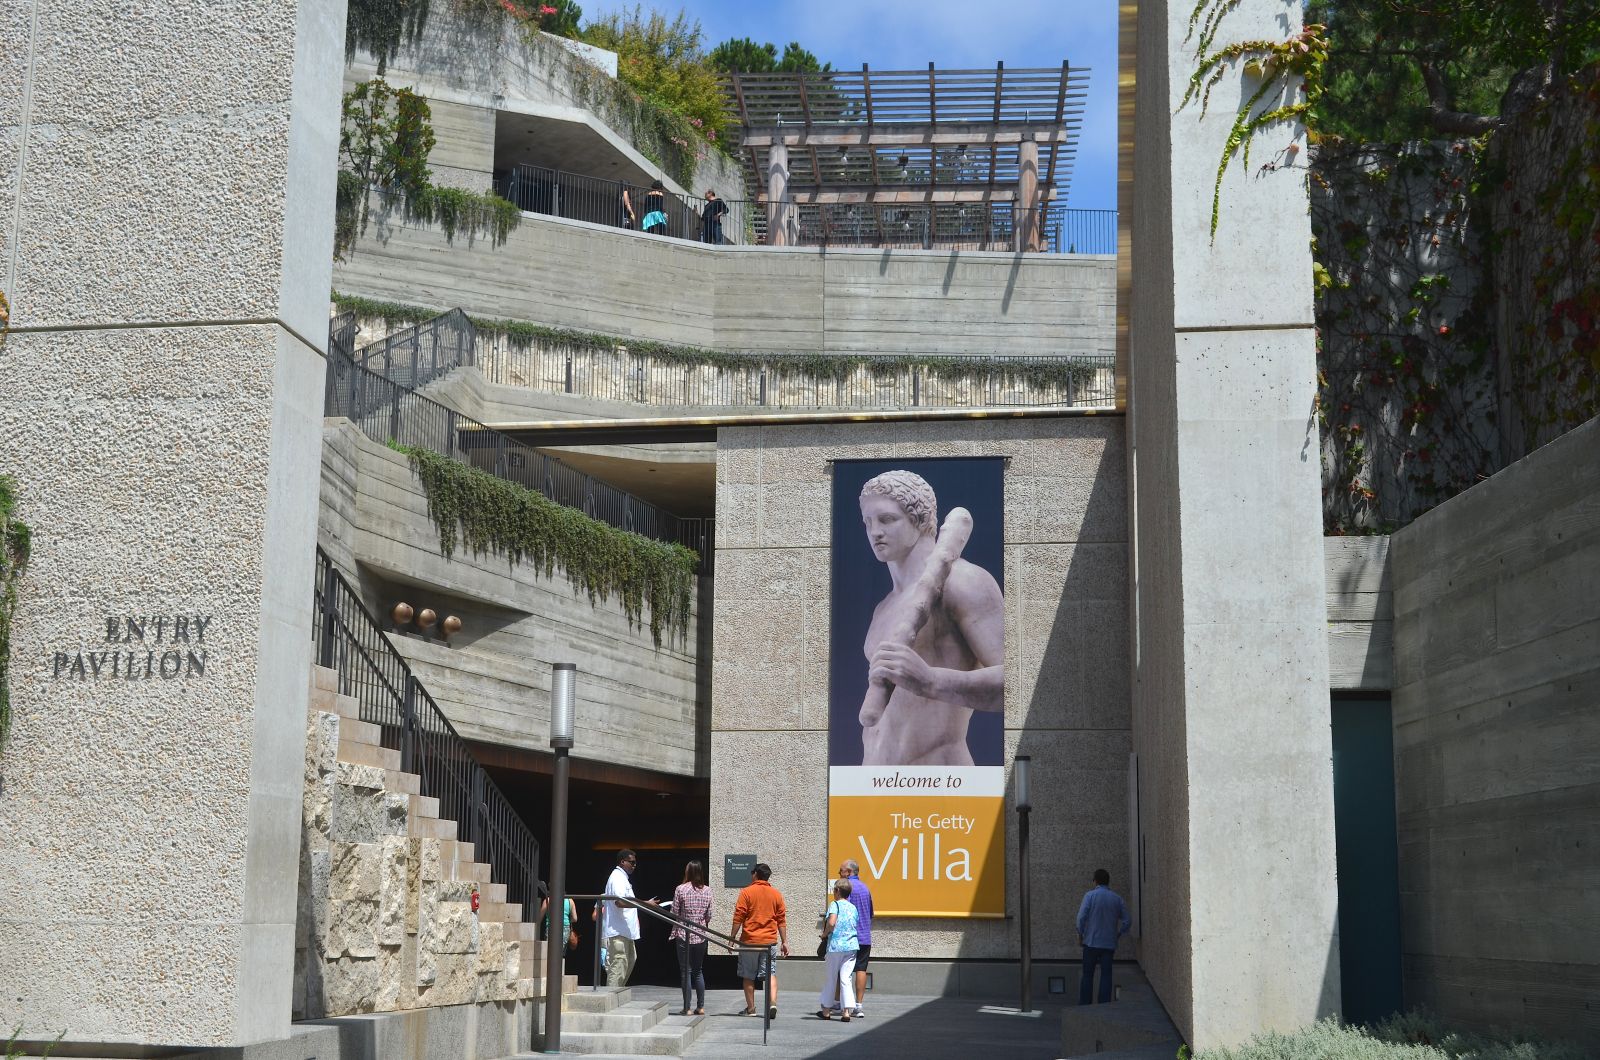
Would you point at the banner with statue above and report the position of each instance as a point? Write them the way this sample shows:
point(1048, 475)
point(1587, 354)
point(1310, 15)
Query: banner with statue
point(916, 736)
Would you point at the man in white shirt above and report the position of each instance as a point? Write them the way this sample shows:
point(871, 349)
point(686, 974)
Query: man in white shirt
point(619, 925)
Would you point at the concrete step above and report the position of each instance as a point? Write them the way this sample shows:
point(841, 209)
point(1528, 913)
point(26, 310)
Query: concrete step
point(491, 892)
point(324, 678)
point(476, 871)
point(330, 702)
point(603, 1000)
point(635, 1017)
point(423, 805)
point(521, 930)
point(365, 754)
point(569, 984)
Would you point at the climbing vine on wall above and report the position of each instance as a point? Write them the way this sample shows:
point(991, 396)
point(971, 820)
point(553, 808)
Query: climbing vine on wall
point(1287, 74)
point(820, 367)
point(382, 26)
point(15, 541)
point(489, 514)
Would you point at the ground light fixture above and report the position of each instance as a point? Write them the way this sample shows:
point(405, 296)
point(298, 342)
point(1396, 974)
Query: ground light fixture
point(1024, 800)
point(563, 696)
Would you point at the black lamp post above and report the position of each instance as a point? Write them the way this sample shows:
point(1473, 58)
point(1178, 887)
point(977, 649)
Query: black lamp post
point(563, 690)
point(1024, 797)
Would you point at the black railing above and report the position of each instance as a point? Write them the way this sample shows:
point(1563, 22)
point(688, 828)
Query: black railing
point(600, 201)
point(417, 355)
point(387, 411)
point(350, 642)
point(933, 226)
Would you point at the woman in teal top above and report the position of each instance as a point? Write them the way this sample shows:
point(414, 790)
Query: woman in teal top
point(842, 946)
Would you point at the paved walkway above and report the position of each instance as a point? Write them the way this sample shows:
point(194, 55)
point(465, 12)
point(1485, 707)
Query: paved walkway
point(924, 1028)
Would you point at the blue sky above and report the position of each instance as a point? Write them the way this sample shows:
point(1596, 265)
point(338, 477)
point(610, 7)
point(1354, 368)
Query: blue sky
point(909, 34)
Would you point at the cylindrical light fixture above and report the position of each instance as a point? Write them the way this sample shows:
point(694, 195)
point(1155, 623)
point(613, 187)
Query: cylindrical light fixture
point(563, 692)
point(1019, 773)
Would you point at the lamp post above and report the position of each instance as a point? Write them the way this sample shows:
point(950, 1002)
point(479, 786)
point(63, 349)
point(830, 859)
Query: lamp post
point(1024, 797)
point(563, 690)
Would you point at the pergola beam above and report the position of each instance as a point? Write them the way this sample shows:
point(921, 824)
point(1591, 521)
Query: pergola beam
point(907, 134)
point(896, 194)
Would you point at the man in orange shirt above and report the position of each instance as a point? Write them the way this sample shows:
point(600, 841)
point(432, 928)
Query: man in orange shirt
point(760, 919)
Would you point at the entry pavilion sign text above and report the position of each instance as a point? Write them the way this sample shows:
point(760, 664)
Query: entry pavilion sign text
point(164, 647)
point(916, 737)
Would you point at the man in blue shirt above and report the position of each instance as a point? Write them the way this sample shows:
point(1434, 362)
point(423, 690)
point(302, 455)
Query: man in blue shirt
point(861, 898)
point(1102, 920)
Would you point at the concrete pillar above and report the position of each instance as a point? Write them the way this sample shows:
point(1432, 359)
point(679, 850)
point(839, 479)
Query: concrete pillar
point(166, 213)
point(1026, 222)
point(780, 210)
point(1230, 679)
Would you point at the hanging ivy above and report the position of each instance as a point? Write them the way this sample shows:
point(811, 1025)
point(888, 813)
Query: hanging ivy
point(15, 541)
point(382, 26)
point(1289, 76)
point(813, 366)
point(488, 514)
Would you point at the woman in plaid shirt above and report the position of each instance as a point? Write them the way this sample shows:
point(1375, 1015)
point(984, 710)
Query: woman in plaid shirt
point(692, 902)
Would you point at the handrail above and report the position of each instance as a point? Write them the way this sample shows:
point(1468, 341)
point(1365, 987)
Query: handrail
point(350, 641)
point(388, 410)
point(728, 943)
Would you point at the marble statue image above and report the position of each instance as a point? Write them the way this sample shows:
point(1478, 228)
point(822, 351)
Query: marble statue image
point(936, 646)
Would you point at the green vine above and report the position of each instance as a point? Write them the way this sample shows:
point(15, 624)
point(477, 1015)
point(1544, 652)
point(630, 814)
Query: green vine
point(15, 543)
point(489, 514)
point(1277, 65)
point(1060, 372)
point(381, 26)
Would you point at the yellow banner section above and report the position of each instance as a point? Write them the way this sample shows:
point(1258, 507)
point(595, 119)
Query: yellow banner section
point(924, 855)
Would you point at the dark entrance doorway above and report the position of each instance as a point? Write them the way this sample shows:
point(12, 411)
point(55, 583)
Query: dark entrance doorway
point(1368, 857)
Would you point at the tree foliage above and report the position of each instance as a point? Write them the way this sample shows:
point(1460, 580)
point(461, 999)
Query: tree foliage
point(665, 62)
point(1408, 69)
point(743, 55)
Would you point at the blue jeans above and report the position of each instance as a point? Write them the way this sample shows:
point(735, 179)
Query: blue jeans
point(1093, 957)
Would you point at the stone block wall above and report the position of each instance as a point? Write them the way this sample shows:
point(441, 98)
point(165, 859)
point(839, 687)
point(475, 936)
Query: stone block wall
point(1496, 726)
point(385, 917)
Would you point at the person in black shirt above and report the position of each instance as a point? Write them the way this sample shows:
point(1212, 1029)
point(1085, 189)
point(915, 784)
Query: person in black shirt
point(655, 209)
point(711, 218)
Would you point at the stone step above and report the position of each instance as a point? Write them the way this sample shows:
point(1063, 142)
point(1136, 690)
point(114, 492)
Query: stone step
point(404, 783)
point(324, 678)
point(423, 805)
point(492, 892)
point(428, 827)
point(357, 731)
point(501, 911)
point(521, 930)
point(476, 871)
point(330, 702)
point(635, 1017)
point(569, 984)
point(603, 1000)
point(364, 754)
point(671, 1037)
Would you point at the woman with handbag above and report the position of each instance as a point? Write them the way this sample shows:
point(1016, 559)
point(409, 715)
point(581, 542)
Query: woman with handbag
point(841, 943)
point(691, 902)
point(569, 921)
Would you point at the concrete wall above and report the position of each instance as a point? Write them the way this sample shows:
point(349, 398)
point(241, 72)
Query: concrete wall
point(1066, 646)
point(166, 210)
point(590, 277)
point(636, 702)
point(1230, 655)
point(1497, 726)
point(1360, 614)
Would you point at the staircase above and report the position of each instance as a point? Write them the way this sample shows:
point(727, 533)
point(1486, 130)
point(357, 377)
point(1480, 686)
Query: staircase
point(610, 1022)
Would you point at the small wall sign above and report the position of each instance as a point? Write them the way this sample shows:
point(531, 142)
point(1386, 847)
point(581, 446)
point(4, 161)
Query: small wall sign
point(736, 869)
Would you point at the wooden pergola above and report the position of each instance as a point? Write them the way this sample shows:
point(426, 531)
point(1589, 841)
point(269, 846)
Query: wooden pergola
point(910, 137)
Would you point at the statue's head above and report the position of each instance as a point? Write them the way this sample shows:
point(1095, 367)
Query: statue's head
point(910, 492)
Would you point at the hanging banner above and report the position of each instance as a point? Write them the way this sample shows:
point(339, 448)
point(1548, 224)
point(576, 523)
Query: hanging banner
point(916, 736)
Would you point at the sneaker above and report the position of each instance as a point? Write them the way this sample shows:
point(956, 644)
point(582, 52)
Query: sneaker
point(772, 1013)
point(859, 1014)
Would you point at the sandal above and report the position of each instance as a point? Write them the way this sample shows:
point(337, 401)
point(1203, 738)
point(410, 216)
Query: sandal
point(844, 1019)
point(699, 1012)
point(822, 1013)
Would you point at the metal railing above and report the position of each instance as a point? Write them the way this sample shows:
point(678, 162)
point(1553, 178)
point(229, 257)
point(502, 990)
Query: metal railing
point(536, 189)
point(415, 356)
point(387, 411)
point(935, 226)
point(727, 942)
point(349, 641)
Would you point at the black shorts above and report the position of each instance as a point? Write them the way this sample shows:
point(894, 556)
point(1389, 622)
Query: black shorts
point(863, 956)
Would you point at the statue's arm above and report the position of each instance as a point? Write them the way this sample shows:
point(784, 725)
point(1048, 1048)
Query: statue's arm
point(975, 603)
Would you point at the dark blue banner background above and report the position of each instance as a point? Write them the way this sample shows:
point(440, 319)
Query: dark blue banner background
point(860, 582)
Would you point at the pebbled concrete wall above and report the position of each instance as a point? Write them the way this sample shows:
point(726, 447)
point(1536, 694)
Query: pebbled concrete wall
point(1497, 721)
point(166, 207)
point(636, 702)
point(1230, 652)
point(1066, 646)
point(596, 278)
